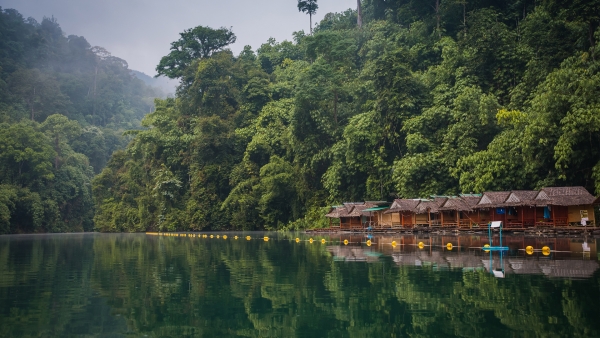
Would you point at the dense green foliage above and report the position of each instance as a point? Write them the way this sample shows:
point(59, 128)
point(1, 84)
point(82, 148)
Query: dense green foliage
point(114, 284)
point(64, 106)
point(436, 98)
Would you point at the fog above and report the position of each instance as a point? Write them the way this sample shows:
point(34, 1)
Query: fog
point(140, 32)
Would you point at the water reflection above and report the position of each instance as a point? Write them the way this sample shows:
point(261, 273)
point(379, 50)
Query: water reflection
point(135, 285)
point(573, 258)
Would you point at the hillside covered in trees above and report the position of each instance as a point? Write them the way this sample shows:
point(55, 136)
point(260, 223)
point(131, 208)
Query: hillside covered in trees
point(409, 99)
point(426, 97)
point(64, 106)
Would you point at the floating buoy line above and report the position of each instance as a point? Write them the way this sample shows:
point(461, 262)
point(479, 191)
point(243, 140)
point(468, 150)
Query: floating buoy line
point(529, 250)
point(264, 238)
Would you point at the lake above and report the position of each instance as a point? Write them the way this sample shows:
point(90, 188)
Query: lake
point(130, 285)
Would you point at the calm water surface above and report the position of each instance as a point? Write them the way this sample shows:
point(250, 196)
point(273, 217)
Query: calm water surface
point(137, 285)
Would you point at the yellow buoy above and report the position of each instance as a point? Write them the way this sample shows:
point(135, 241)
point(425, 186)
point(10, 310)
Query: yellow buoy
point(369, 242)
point(345, 242)
point(235, 237)
point(449, 246)
point(224, 236)
point(211, 236)
point(393, 244)
point(204, 236)
point(248, 238)
point(546, 251)
point(486, 246)
point(310, 241)
point(529, 250)
point(266, 239)
point(323, 241)
point(297, 240)
point(421, 245)
point(217, 236)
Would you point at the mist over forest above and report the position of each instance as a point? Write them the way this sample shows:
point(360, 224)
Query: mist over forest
point(410, 99)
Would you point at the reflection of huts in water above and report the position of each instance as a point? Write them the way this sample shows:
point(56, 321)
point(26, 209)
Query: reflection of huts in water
point(470, 260)
point(574, 269)
point(421, 258)
point(464, 261)
point(353, 254)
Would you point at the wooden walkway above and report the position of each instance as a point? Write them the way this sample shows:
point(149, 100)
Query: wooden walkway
point(565, 230)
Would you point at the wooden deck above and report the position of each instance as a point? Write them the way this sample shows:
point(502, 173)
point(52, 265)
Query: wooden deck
point(539, 229)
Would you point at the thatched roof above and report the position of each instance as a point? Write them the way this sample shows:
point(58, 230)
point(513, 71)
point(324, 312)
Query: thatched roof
point(492, 199)
point(565, 196)
point(432, 206)
point(471, 200)
point(357, 211)
point(350, 205)
point(521, 198)
point(456, 204)
point(401, 205)
point(337, 212)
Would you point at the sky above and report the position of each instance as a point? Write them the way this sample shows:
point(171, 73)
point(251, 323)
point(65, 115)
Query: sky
point(141, 31)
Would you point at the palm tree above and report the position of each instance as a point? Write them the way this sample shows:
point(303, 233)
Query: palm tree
point(310, 7)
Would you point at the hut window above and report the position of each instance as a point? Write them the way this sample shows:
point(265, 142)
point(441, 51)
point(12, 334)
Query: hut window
point(500, 211)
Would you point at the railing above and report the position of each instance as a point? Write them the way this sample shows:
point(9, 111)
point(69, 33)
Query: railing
point(560, 221)
point(464, 223)
point(435, 223)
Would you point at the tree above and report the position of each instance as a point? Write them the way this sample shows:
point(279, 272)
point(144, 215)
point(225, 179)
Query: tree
point(309, 7)
point(195, 43)
point(359, 14)
point(60, 130)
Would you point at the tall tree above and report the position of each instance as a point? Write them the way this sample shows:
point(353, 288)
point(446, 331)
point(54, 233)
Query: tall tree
point(310, 7)
point(359, 14)
point(195, 43)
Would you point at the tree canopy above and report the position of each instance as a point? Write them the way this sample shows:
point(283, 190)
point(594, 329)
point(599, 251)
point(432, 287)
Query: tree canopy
point(434, 97)
point(195, 43)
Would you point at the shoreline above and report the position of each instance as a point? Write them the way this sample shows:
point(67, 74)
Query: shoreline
point(529, 232)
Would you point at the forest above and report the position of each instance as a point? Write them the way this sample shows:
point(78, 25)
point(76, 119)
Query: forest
point(64, 108)
point(408, 99)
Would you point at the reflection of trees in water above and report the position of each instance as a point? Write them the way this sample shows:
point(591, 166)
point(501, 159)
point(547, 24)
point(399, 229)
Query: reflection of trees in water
point(201, 287)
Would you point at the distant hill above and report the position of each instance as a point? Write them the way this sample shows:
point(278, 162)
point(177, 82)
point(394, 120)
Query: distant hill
point(165, 84)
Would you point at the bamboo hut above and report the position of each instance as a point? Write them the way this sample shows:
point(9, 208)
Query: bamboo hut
point(565, 206)
point(491, 206)
point(457, 212)
point(348, 217)
point(521, 208)
point(428, 212)
point(376, 213)
point(336, 212)
point(403, 212)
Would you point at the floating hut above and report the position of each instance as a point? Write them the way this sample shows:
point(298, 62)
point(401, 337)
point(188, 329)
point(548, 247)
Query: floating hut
point(458, 211)
point(377, 216)
point(566, 206)
point(518, 209)
point(515, 208)
point(403, 212)
point(429, 210)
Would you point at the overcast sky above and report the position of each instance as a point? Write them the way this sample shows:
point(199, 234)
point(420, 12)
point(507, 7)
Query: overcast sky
point(140, 31)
